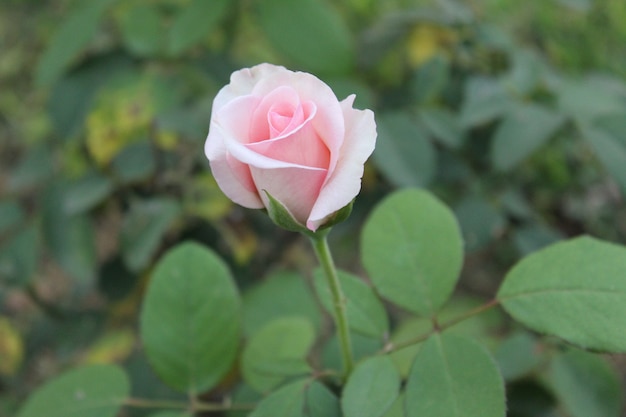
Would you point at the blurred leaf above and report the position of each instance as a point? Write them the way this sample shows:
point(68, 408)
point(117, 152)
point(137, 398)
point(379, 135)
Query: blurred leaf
point(204, 198)
point(73, 35)
point(303, 398)
point(403, 152)
point(113, 346)
point(194, 23)
point(575, 290)
point(281, 294)
point(11, 215)
point(364, 310)
point(586, 385)
point(525, 71)
point(33, 169)
point(142, 30)
point(411, 247)
point(485, 100)
point(480, 222)
point(344, 87)
point(578, 5)
point(170, 414)
point(87, 192)
point(584, 100)
point(135, 163)
point(19, 256)
point(69, 238)
point(310, 33)
point(521, 133)
point(362, 347)
point(11, 348)
point(611, 151)
point(518, 355)
point(371, 389)
point(143, 230)
point(430, 79)
point(72, 95)
point(454, 377)
point(277, 351)
point(321, 402)
point(98, 390)
point(533, 237)
point(397, 408)
point(443, 125)
point(190, 320)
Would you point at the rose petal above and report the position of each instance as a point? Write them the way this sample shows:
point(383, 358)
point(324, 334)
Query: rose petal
point(242, 83)
point(295, 188)
point(232, 176)
point(235, 180)
point(345, 182)
point(328, 122)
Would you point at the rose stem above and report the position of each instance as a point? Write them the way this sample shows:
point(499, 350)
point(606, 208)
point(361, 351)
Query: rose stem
point(322, 251)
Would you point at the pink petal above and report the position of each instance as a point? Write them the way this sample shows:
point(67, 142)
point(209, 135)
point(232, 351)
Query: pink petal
point(328, 122)
point(345, 182)
point(296, 188)
point(242, 83)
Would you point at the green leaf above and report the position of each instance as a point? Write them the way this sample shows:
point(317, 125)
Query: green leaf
point(454, 377)
point(11, 215)
point(485, 100)
point(611, 151)
point(34, 168)
point(190, 321)
point(587, 99)
point(194, 23)
point(19, 256)
point(430, 79)
point(403, 154)
point(412, 249)
point(135, 163)
point(277, 351)
point(69, 238)
point(170, 414)
point(371, 389)
point(72, 95)
point(362, 347)
point(309, 33)
point(521, 133)
point(142, 30)
point(303, 398)
point(86, 193)
point(518, 355)
point(533, 237)
point(575, 290)
point(586, 385)
point(480, 222)
point(366, 313)
point(96, 391)
point(143, 229)
point(321, 402)
point(444, 126)
point(72, 37)
point(281, 294)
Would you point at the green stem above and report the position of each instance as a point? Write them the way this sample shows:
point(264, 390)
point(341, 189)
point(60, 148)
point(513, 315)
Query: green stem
point(322, 251)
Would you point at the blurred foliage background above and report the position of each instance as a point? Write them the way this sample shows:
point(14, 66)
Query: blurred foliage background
point(513, 112)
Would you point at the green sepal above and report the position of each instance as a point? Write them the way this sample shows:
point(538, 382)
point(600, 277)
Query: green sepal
point(338, 216)
point(282, 217)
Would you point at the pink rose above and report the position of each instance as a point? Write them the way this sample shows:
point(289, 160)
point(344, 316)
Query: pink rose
point(285, 133)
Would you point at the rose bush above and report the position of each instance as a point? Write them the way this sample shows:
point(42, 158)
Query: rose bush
point(285, 133)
